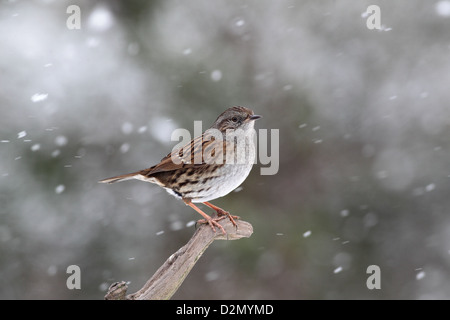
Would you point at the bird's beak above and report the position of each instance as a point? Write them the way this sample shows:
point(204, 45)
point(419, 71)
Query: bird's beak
point(255, 117)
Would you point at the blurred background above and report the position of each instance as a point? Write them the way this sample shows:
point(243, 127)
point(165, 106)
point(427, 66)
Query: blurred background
point(364, 150)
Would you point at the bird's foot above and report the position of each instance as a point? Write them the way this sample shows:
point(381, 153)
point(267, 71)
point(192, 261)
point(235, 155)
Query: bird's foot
point(222, 214)
point(213, 222)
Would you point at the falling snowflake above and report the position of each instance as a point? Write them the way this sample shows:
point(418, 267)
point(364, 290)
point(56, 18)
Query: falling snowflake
point(60, 189)
point(37, 97)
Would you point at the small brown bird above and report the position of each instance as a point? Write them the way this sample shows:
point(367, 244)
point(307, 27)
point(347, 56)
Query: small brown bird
point(209, 167)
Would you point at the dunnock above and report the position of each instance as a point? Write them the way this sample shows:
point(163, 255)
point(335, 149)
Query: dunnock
point(209, 167)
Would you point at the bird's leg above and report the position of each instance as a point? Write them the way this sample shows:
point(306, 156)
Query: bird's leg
point(212, 222)
point(222, 213)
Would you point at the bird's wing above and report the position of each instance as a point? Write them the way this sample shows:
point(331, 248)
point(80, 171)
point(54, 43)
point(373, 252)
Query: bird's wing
point(203, 150)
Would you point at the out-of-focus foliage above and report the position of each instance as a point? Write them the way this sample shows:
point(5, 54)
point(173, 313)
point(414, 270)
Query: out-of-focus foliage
point(364, 123)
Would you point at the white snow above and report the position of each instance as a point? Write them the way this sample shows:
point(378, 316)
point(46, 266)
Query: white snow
point(103, 286)
point(240, 23)
point(61, 141)
point(420, 275)
point(37, 97)
point(442, 8)
point(337, 270)
point(56, 153)
point(212, 275)
point(345, 212)
point(161, 128)
point(60, 189)
point(160, 232)
point(190, 223)
point(127, 128)
point(176, 225)
point(52, 270)
point(307, 234)
point(125, 147)
point(100, 19)
point(384, 28)
point(424, 95)
point(142, 129)
point(216, 75)
point(370, 220)
point(430, 187)
point(35, 147)
point(382, 174)
point(21, 134)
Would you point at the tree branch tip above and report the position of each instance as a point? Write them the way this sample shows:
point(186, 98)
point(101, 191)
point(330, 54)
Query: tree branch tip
point(243, 229)
point(117, 291)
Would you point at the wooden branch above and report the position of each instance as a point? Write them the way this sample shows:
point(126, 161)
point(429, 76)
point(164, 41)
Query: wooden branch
point(166, 281)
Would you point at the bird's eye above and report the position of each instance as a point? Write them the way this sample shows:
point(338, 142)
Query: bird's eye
point(234, 119)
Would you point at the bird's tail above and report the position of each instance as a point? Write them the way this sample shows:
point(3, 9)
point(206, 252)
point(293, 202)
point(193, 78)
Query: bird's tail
point(123, 177)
